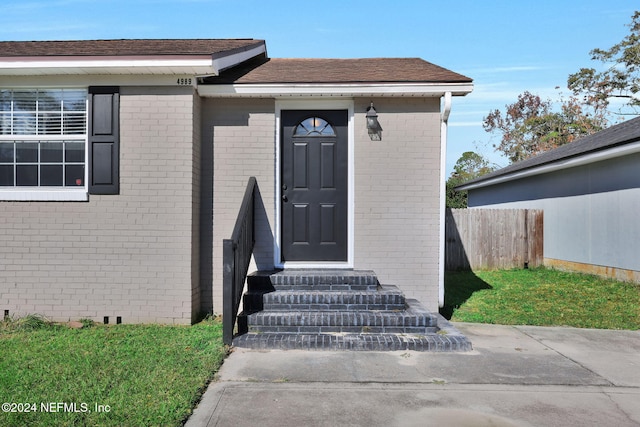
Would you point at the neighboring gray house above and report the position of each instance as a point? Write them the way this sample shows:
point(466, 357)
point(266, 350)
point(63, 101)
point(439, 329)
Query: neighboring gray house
point(590, 193)
point(123, 164)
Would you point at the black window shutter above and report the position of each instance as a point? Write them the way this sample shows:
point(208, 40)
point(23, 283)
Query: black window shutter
point(104, 140)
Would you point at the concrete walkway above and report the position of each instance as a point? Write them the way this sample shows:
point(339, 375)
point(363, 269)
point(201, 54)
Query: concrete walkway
point(515, 376)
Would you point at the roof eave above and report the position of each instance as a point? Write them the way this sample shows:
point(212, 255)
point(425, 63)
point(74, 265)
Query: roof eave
point(275, 90)
point(197, 65)
point(229, 59)
point(591, 157)
point(30, 66)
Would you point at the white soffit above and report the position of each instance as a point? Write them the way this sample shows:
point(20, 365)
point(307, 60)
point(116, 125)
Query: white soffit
point(333, 90)
point(223, 61)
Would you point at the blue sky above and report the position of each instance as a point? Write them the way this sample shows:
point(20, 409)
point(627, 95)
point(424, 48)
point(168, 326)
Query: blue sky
point(507, 47)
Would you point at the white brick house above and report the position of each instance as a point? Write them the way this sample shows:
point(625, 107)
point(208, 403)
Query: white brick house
point(123, 164)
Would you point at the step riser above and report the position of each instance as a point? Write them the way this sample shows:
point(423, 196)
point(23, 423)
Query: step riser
point(334, 301)
point(360, 342)
point(326, 287)
point(385, 298)
point(343, 329)
point(346, 307)
point(321, 280)
point(339, 318)
point(254, 302)
point(356, 278)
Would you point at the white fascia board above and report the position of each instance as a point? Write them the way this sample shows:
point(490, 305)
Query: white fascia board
point(110, 65)
point(337, 90)
point(224, 62)
point(584, 159)
point(197, 65)
point(79, 80)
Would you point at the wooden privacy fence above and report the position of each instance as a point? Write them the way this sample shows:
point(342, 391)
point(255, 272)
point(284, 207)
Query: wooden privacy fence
point(481, 239)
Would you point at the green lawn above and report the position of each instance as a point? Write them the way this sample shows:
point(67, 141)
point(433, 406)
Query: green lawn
point(151, 375)
point(141, 375)
point(541, 297)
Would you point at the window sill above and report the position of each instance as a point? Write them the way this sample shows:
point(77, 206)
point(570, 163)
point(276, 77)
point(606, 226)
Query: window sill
point(41, 195)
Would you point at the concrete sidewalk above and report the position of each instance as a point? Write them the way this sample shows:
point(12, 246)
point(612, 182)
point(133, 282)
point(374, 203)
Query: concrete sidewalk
point(515, 376)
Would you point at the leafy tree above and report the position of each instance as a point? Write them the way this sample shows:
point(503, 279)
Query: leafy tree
point(472, 165)
point(622, 77)
point(455, 199)
point(469, 166)
point(531, 126)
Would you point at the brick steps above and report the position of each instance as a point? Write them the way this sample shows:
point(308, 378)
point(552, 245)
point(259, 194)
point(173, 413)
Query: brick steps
point(354, 342)
point(318, 280)
point(386, 298)
point(412, 320)
point(338, 309)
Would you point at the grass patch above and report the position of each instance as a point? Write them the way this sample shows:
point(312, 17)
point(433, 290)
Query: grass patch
point(31, 322)
point(541, 297)
point(144, 374)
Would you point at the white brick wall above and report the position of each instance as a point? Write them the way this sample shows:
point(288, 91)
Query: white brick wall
point(143, 254)
point(397, 195)
point(125, 255)
point(243, 136)
point(396, 182)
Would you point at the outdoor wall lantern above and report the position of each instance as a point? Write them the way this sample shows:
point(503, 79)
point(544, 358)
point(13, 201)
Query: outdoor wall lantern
point(373, 126)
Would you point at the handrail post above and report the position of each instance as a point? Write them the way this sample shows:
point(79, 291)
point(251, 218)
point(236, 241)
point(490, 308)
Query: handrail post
point(228, 319)
point(236, 257)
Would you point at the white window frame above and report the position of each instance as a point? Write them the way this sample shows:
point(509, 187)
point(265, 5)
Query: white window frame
point(41, 193)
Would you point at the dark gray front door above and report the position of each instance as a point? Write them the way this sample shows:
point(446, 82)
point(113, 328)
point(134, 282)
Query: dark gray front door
point(314, 185)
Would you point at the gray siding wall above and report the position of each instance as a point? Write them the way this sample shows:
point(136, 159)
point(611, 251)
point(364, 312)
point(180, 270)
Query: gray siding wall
point(127, 255)
point(590, 212)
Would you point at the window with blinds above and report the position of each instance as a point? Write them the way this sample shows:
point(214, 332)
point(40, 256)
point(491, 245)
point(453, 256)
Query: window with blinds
point(43, 135)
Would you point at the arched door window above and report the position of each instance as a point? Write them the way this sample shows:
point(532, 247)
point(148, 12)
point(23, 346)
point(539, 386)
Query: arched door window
point(314, 126)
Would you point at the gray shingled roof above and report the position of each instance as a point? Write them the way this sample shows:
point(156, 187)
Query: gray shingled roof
point(124, 47)
point(261, 70)
point(321, 70)
point(613, 136)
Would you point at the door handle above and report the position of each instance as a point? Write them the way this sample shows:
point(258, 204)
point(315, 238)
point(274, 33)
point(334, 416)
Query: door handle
point(285, 198)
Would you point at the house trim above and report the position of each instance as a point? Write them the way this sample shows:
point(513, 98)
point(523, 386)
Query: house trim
point(583, 159)
point(228, 59)
point(444, 126)
point(315, 105)
point(616, 273)
point(194, 65)
point(86, 80)
point(101, 65)
point(348, 90)
point(37, 194)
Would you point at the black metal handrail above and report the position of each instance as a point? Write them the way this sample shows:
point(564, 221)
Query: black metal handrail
point(236, 256)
